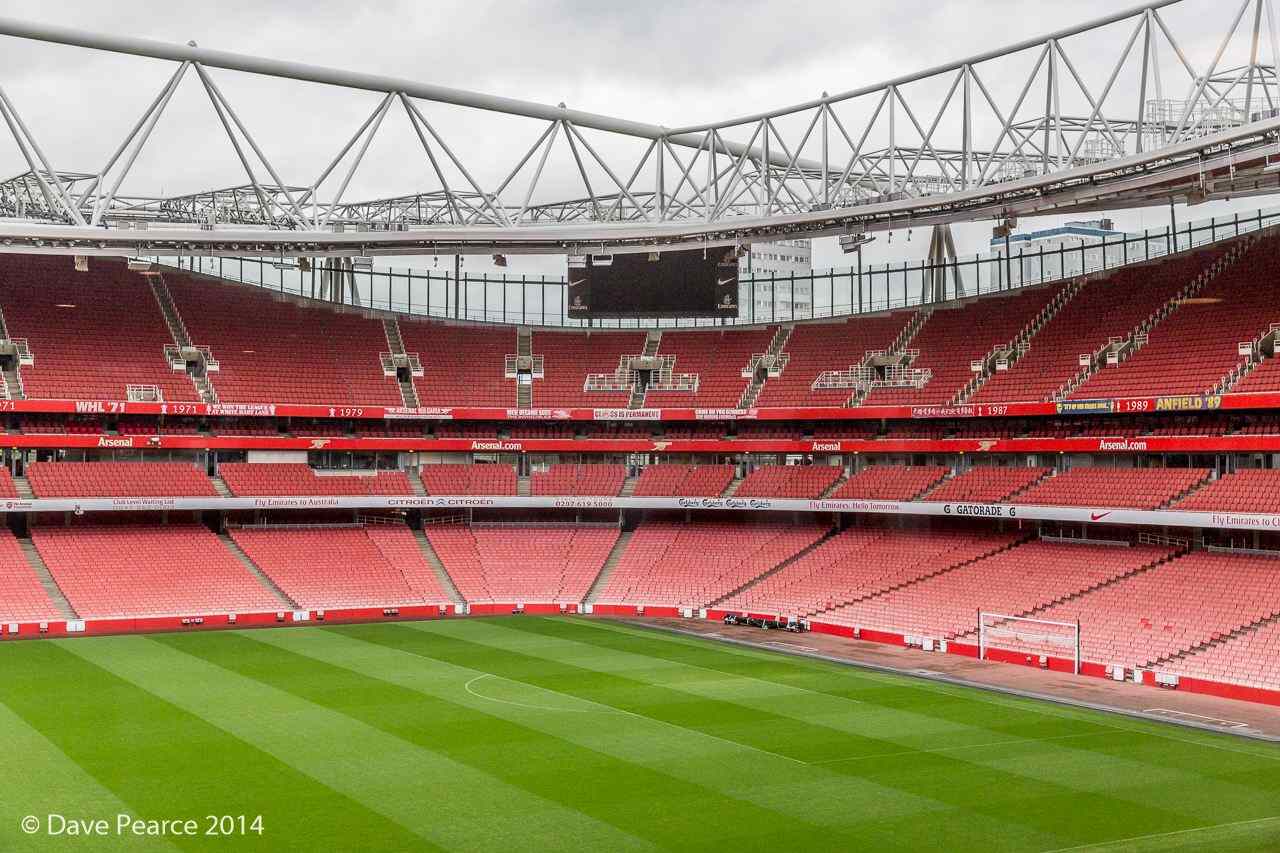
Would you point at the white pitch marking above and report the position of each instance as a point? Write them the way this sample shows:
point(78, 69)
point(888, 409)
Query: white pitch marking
point(1232, 724)
point(1102, 845)
point(467, 687)
point(791, 646)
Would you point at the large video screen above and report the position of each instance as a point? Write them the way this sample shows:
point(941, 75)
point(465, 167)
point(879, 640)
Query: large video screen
point(689, 283)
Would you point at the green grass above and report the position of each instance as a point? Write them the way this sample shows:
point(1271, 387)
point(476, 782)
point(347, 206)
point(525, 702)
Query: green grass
point(528, 733)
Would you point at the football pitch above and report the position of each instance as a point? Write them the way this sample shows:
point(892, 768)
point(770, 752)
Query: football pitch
point(528, 733)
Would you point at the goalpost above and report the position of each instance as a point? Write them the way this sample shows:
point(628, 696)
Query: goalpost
point(1025, 635)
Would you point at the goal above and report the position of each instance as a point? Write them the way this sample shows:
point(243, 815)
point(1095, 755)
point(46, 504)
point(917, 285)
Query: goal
point(1024, 635)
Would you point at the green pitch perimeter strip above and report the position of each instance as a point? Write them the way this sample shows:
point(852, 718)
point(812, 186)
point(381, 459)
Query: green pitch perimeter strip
point(567, 734)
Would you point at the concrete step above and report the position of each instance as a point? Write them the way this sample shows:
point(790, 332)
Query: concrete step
point(433, 560)
point(285, 601)
point(14, 383)
point(610, 563)
point(221, 488)
point(23, 486)
point(524, 487)
point(415, 481)
point(51, 587)
point(408, 393)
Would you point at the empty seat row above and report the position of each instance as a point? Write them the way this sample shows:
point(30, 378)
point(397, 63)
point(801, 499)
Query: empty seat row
point(688, 481)
point(251, 479)
point(514, 564)
point(150, 570)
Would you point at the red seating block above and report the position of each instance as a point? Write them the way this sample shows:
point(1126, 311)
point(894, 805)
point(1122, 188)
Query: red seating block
point(22, 597)
point(92, 334)
point(691, 565)
point(553, 564)
point(134, 571)
point(891, 482)
point(588, 479)
point(118, 480)
point(686, 481)
point(466, 479)
point(335, 567)
point(1131, 488)
point(249, 479)
point(788, 481)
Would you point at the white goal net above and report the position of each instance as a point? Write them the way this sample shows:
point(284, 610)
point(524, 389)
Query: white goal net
point(1023, 635)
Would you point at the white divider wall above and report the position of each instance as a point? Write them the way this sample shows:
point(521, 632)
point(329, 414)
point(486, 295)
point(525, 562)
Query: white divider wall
point(1079, 515)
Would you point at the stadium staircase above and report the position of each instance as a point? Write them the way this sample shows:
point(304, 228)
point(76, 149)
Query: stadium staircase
point(23, 487)
point(732, 488)
point(1234, 634)
point(253, 568)
point(442, 575)
point(13, 389)
point(770, 363)
point(773, 571)
point(1260, 349)
point(610, 563)
point(42, 572)
point(195, 361)
point(415, 481)
point(1124, 347)
point(927, 494)
point(1009, 353)
point(652, 343)
point(13, 383)
point(401, 360)
point(628, 487)
point(220, 486)
point(524, 486)
point(1208, 478)
point(834, 487)
point(524, 350)
point(899, 346)
point(923, 578)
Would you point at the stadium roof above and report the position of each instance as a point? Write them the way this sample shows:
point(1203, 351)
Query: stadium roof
point(963, 141)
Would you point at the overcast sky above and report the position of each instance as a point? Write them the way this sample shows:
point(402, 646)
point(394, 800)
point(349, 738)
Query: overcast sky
point(667, 62)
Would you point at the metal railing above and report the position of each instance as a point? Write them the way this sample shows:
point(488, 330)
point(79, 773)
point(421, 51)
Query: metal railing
point(833, 293)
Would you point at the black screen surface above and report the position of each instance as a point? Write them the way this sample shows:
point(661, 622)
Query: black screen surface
point(689, 283)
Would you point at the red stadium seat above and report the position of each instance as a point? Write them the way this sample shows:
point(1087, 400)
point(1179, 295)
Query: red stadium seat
point(250, 479)
point(549, 564)
point(150, 570)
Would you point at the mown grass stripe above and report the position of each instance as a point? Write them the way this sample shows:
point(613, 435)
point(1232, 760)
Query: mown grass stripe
point(1200, 771)
point(168, 763)
point(1048, 799)
point(637, 800)
point(42, 780)
point(1214, 764)
point(822, 670)
point(649, 740)
point(785, 787)
point(828, 707)
point(440, 801)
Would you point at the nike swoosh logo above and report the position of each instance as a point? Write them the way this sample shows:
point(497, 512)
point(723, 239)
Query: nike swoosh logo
point(578, 282)
point(724, 281)
point(1095, 516)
